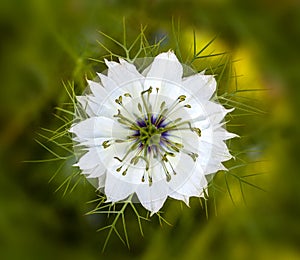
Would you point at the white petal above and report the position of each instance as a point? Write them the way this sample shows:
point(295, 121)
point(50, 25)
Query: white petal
point(96, 161)
point(84, 102)
point(128, 83)
point(96, 127)
point(193, 182)
point(101, 181)
point(122, 72)
point(153, 197)
point(106, 108)
point(213, 168)
point(187, 171)
point(130, 67)
point(100, 102)
point(211, 155)
point(134, 173)
point(200, 86)
point(156, 171)
point(92, 107)
point(98, 172)
point(191, 141)
point(116, 189)
point(92, 142)
point(215, 112)
point(93, 127)
point(166, 66)
point(178, 196)
point(107, 82)
point(89, 160)
point(223, 134)
point(98, 90)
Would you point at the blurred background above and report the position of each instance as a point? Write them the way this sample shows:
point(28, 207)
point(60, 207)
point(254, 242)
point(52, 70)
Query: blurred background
point(46, 43)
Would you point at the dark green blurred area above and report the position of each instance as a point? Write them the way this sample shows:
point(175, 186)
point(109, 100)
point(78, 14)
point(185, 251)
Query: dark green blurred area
point(43, 43)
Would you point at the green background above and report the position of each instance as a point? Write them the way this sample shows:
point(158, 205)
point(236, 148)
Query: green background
point(45, 43)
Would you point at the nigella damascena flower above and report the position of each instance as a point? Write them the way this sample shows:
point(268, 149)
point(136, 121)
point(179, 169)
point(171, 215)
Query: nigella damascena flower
point(153, 134)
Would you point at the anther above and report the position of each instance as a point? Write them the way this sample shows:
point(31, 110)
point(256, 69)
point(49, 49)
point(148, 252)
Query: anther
point(127, 95)
point(163, 104)
point(181, 98)
point(120, 141)
point(168, 176)
point(117, 158)
point(197, 130)
point(194, 156)
point(175, 148)
point(119, 100)
point(177, 120)
point(124, 172)
point(170, 154)
point(134, 160)
point(140, 107)
point(149, 90)
point(119, 113)
point(164, 158)
point(150, 180)
point(179, 145)
point(106, 144)
point(122, 121)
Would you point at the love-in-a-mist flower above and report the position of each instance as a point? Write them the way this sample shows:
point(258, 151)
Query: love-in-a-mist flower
point(152, 134)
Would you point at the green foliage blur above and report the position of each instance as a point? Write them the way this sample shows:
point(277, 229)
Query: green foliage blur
point(46, 43)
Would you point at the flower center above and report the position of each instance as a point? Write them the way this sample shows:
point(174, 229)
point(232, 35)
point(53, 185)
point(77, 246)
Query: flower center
point(150, 132)
point(150, 139)
point(149, 135)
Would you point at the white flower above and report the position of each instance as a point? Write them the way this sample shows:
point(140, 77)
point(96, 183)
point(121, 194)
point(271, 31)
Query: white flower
point(154, 134)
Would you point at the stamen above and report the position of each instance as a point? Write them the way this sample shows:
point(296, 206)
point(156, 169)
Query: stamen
point(124, 172)
point(119, 113)
point(175, 148)
point(164, 158)
point(118, 141)
point(119, 100)
point(150, 180)
point(134, 160)
point(177, 120)
point(197, 130)
point(140, 107)
point(127, 95)
point(106, 144)
point(168, 175)
point(117, 158)
point(125, 121)
point(194, 156)
point(181, 98)
point(172, 169)
point(175, 127)
point(149, 90)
